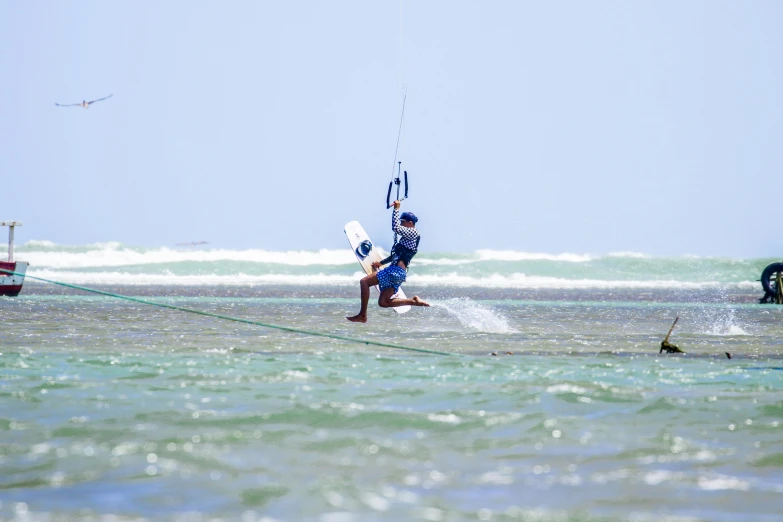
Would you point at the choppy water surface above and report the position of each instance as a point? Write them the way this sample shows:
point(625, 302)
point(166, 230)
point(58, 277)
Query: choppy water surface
point(119, 264)
point(117, 409)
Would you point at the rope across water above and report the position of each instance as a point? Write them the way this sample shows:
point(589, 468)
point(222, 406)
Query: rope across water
point(229, 318)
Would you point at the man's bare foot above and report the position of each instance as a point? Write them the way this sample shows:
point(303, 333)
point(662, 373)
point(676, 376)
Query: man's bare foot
point(358, 318)
point(417, 301)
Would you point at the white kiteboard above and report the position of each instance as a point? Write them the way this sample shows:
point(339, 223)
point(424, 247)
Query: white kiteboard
point(366, 253)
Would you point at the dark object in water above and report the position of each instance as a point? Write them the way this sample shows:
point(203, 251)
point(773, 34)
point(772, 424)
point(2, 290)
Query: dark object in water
point(670, 348)
point(665, 345)
point(728, 355)
point(770, 282)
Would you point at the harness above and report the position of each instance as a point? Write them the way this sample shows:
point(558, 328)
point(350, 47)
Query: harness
point(402, 253)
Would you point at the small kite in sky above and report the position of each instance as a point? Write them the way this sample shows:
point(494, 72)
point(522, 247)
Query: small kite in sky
point(85, 104)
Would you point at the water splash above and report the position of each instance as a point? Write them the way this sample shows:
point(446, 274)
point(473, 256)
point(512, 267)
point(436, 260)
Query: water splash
point(475, 316)
point(721, 322)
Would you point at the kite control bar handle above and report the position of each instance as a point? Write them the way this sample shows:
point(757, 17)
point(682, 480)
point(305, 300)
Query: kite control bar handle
point(396, 181)
point(388, 195)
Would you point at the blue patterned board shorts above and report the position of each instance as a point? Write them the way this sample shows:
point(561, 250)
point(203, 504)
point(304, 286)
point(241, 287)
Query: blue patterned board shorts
point(391, 277)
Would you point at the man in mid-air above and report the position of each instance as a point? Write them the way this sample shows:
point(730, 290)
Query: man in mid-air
point(390, 278)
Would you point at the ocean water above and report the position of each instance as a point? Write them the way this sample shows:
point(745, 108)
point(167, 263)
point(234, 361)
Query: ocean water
point(114, 263)
point(554, 402)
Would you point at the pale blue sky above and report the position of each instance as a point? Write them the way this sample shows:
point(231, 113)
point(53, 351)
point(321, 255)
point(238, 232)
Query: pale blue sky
point(554, 127)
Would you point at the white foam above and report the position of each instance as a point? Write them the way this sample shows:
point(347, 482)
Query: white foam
point(653, 478)
point(112, 255)
point(720, 322)
point(168, 279)
point(514, 281)
point(723, 482)
point(632, 255)
point(727, 330)
point(566, 388)
point(475, 316)
point(512, 255)
point(423, 261)
point(33, 243)
point(522, 281)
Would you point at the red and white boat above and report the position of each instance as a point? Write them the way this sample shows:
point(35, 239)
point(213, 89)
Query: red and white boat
point(11, 284)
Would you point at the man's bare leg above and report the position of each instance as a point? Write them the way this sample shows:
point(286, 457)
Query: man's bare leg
point(364, 285)
point(386, 301)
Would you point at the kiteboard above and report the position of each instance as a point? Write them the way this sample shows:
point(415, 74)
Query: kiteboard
point(366, 253)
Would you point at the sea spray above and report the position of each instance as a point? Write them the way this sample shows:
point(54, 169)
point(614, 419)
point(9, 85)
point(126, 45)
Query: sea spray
point(717, 321)
point(475, 316)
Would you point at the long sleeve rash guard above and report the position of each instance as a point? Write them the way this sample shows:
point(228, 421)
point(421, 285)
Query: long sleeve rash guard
point(409, 238)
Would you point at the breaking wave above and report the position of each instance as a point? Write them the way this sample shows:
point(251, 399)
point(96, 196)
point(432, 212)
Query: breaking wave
point(115, 263)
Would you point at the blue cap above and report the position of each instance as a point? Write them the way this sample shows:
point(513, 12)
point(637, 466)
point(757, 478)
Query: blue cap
point(409, 216)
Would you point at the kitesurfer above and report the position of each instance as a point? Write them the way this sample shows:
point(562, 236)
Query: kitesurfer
point(390, 278)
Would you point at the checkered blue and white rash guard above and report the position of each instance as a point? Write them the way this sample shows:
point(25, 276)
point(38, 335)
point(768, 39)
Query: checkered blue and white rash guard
point(409, 236)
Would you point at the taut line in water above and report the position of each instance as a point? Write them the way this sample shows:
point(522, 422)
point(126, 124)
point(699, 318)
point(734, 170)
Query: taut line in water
point(236, 319)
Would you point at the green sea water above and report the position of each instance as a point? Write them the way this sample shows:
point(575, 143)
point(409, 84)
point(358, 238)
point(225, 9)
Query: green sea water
point(119, 264)
point(111, 410)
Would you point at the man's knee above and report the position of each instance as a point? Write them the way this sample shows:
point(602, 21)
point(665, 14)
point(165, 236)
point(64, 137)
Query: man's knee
point(385, 300)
